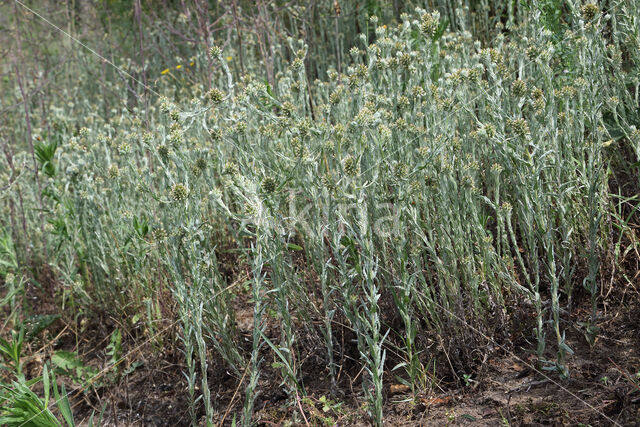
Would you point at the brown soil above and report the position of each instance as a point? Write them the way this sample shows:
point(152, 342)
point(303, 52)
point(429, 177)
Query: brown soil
point(150, 389)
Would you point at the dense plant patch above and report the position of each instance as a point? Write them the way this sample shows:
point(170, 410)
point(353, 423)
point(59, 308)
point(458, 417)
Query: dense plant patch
point(462, 179)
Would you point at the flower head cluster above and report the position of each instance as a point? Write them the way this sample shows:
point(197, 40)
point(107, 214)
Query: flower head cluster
point(269, 184)
point(519, 88)
point(215, 95)
point(351, 167)
point(215, 52)
point(519, 126)
point(113, 171)
point(179, 192)
point(429, 23)
point(590, 11)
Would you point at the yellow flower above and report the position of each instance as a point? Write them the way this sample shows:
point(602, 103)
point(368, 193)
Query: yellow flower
point(165, 71)
point(229, 58)
point(192, 63)
point(607, 143)
point(178, 67)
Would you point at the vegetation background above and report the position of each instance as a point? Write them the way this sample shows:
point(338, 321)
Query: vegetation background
point(319, 212)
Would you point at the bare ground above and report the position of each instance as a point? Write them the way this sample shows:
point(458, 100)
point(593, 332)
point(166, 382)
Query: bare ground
point(507, 388)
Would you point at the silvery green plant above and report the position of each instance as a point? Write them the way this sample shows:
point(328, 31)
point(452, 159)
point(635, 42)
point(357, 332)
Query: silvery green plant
point(445, 172)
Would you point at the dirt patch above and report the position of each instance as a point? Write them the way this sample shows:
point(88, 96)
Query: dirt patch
point(508, 388)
